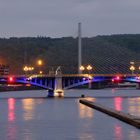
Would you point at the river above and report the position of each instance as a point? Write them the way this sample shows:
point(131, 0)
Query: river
point(28, 115)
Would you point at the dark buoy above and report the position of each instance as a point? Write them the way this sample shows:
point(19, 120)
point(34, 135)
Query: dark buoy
point(82, 96)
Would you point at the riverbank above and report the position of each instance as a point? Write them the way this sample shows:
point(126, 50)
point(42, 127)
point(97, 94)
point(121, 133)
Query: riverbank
point(18, 87)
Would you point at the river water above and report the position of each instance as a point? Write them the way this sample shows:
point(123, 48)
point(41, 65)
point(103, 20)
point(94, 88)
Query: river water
point(27, 115)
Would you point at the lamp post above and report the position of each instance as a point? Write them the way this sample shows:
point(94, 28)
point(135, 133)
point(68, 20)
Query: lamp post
point(82, 68)
point(132, 69)
point(27, 69)
point(39, 63)
point(89, 68)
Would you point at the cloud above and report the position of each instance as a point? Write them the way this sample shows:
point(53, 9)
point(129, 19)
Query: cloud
point(60, 17)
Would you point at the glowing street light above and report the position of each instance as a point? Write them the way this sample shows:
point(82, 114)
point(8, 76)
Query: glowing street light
point(40, 72)
point(82, 68)
point(89, 67)
point(39, 62)
point(28, 68)
point(25, 68)
point(132, 68)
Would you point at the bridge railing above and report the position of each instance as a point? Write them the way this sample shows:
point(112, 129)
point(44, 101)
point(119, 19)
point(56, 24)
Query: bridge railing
point(71, 75)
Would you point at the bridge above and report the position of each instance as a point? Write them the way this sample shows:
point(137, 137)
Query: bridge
point(57, 83)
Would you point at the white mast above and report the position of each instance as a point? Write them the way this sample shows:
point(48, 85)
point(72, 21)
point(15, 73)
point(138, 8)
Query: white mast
point(79, 48)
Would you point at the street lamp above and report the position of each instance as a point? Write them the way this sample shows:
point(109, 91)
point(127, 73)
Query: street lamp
point(132, 68)
point(25, 68)
point(39, 62)
point(28, 69)
point(40, 72)
point(82, 68)
point(89, 67)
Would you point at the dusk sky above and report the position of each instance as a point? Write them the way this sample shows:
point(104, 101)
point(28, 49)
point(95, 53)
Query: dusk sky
point(59, 18)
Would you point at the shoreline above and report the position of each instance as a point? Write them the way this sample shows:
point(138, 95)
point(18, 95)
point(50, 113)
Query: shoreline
point(6, 88)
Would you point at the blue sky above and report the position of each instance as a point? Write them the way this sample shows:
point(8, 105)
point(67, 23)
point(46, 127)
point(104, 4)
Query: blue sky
point(58, 18)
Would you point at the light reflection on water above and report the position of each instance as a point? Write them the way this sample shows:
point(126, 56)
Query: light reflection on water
point(28, 107)
point(134, 106)
point(118, 103)
point(86, 136)
point(84, 111)
point(11, 130)
point(11, 109)
point(118, 132)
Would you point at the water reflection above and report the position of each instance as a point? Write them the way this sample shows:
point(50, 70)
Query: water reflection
point(84, 111)
point(11, 109)
point(118, 132)
point(28, 135)
point(87, 136)
point(11, 130)
point(113, 90)
point(134, 106)
point(28, 107)
point(118, 103)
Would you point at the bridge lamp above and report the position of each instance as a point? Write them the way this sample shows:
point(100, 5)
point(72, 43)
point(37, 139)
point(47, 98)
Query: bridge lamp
point(132, 68)
point(89, 67)
point(82, 68)
point(29, 68)
point(39, 62)
point(40, 72)
point(25, 68)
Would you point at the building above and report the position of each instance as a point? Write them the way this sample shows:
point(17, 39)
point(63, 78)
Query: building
point(4, 69)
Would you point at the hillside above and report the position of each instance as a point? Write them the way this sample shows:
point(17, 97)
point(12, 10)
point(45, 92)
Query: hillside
point(107, 54)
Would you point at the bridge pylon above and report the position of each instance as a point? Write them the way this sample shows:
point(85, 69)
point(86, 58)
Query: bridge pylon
point(58, 89)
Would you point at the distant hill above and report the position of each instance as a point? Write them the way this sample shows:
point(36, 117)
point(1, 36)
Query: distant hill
point(107, 54)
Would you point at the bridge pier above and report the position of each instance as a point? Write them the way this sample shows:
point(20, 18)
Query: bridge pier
point(58, 89)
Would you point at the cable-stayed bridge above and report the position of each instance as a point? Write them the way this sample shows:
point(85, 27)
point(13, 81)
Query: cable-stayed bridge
point(56, 84)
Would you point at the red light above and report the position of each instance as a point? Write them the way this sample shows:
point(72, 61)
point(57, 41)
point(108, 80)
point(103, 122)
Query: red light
point(10, 79)
point(117, 78)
